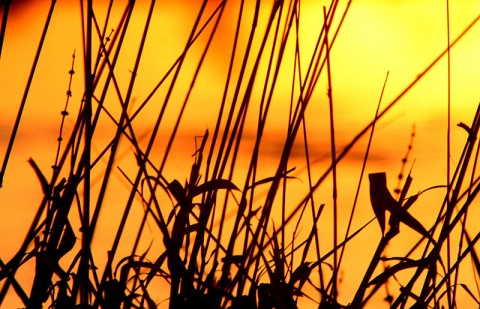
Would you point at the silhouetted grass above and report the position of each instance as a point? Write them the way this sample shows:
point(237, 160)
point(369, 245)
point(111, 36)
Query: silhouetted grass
point(227, 234)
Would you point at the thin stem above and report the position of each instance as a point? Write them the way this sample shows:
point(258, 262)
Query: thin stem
point(334, 157)
point(85, 257)
point(25, 94)
point(449, 294)
point(6, 7)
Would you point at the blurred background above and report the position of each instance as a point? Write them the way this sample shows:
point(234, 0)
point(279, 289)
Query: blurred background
point(399, 37)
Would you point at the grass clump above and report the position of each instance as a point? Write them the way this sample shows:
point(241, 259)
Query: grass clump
point(130, 218)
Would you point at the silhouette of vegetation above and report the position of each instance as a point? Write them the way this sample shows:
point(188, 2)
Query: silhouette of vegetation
point(232, 231)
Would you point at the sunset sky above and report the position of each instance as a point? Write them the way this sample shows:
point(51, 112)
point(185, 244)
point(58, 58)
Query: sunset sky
point(399, 37)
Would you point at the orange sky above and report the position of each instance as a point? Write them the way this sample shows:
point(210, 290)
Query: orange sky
point(402, 37)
